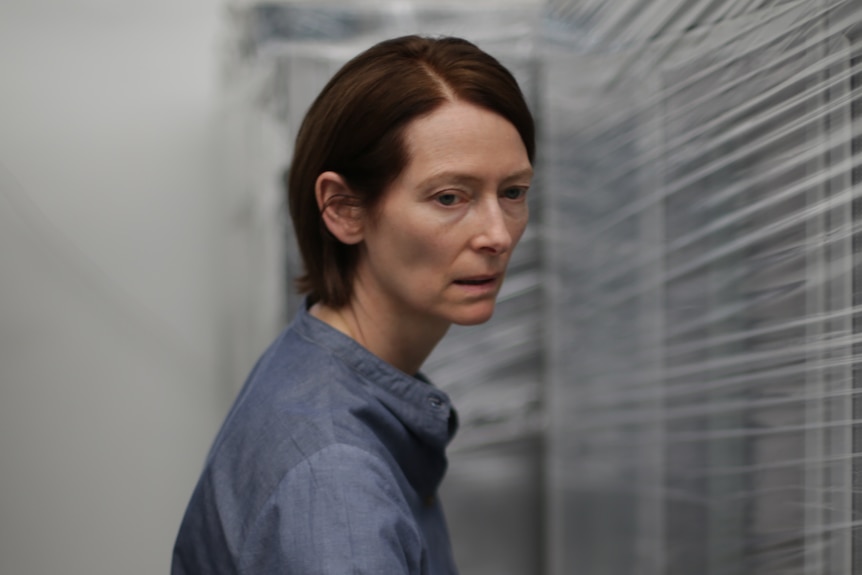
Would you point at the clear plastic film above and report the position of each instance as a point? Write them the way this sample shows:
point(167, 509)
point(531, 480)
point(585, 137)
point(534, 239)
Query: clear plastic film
point(702, 168)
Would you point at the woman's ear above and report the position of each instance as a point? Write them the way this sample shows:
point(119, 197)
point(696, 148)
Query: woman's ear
point(340, 208)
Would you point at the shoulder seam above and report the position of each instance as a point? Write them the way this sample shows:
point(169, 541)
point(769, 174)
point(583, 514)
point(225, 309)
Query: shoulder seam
point(306, 457)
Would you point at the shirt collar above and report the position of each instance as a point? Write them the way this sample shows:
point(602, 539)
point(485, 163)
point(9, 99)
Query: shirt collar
point(422, 408)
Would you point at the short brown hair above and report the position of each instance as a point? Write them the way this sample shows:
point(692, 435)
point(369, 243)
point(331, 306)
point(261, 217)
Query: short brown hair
point(355, 128)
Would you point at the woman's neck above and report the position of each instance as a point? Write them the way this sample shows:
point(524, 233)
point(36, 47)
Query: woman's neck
point(400, 340)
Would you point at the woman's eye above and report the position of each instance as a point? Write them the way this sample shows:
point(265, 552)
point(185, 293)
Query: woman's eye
point(515, 193)
point(447, 199)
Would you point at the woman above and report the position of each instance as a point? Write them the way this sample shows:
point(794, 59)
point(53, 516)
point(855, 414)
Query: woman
point(407, 194)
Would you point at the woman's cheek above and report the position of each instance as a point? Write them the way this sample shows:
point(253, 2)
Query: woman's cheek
point(424, 240)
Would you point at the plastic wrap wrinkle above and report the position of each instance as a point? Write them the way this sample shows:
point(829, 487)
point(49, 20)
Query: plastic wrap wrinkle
point(703, 208)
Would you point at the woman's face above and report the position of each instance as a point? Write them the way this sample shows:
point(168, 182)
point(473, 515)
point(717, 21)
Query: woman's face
point(438, 246)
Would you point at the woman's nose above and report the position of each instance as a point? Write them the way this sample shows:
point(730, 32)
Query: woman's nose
point(493, 234)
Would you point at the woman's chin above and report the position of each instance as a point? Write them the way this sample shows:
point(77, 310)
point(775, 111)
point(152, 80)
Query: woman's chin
point(474, 314)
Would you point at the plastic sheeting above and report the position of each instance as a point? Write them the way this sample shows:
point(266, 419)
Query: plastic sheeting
point(697, 234)
point(703, 163)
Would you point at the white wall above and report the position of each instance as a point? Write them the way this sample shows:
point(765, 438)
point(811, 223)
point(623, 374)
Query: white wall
point(110, 384)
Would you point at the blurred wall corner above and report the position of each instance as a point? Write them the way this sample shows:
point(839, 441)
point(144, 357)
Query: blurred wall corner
point(109, 305)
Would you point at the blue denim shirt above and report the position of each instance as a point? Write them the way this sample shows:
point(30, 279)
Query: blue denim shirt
point(328, 462)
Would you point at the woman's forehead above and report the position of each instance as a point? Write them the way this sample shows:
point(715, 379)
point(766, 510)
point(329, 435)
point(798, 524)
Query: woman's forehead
point(462, 142)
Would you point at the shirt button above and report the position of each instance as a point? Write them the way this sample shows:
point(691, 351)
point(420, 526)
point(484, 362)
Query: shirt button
point(435, 401)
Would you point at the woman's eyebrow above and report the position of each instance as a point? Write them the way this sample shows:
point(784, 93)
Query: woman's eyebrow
point(451, 177)
point(525, 174)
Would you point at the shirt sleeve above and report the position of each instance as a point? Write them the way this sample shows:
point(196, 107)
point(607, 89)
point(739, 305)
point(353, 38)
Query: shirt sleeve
point(339, 511)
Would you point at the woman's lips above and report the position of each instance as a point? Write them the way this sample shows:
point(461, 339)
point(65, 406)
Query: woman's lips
point(479, 286)
point(479, 280)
